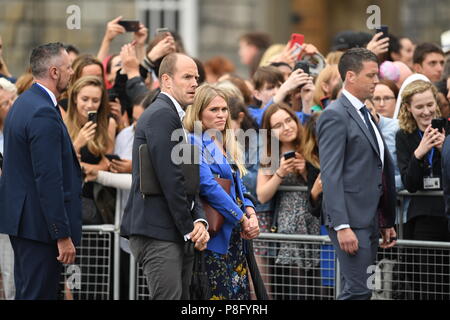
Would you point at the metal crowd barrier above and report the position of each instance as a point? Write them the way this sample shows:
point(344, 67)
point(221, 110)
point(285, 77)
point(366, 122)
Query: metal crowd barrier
point(292, 266)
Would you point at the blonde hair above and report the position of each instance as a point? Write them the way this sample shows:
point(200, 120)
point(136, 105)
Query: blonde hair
point(324, 76)
point(334, 57)
point(203, 97)
point(101, 141)
point(271, 52)
point(406, 120)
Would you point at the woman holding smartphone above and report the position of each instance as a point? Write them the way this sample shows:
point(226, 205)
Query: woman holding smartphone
point(292, 211)
point(419, 148)
point(91, 139)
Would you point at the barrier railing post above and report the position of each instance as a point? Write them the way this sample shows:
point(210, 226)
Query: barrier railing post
point(117, 245)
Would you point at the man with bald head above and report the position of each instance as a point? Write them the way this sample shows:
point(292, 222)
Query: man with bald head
point(163, 229)
point(40, 187)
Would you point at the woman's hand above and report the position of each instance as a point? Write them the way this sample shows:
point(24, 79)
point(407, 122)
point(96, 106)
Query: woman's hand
point(317, 188)
point(91, 173)
point(431, 138)
point(113, 29)
point(300, 164)
point(377, 45)
point(116, 111)
point(120, 166)
point(250, 226)
point(162, 48)
point(85, 135)
point(286, 167)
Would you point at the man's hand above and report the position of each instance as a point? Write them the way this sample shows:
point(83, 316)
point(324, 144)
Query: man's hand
point(66, 251)
point(347, 240)
point(389, 238)
point(199, 236)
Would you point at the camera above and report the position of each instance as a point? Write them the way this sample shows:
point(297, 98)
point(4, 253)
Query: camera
point(302, 65)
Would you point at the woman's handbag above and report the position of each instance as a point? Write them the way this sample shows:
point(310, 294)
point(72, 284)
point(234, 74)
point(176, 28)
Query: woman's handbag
point(214, 218)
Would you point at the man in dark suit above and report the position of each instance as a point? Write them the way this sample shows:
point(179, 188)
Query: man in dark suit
point(40, 188)
point(357, 175)
point(163, 229)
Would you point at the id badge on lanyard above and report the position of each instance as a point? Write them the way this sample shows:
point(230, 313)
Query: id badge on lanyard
point(430, 182)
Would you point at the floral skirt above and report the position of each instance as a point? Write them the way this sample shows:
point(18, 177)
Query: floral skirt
point(227, 273)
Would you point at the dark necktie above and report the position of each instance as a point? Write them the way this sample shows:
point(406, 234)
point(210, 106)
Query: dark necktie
point(365, 113)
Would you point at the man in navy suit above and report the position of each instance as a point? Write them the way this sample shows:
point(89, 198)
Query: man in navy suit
point(40, 204)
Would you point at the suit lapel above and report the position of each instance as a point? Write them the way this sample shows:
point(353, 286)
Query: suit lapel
point(354, 114)
point(40, 91)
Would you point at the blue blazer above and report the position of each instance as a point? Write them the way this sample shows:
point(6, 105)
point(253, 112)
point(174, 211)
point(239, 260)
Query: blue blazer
point(40, 188)
point(213, 163)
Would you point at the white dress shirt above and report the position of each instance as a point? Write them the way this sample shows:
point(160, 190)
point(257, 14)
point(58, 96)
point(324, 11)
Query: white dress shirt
point(181, 114)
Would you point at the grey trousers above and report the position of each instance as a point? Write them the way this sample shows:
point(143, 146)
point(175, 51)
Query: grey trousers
point(167, 266)
point(355, 271)
point(7, 267)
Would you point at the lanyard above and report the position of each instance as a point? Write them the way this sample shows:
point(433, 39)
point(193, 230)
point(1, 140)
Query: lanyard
point(429, 155)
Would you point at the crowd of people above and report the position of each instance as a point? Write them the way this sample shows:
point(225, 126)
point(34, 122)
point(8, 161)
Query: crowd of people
point(111, 103)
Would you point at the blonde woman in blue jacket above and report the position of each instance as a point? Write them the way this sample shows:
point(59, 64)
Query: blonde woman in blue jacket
point(209, 123)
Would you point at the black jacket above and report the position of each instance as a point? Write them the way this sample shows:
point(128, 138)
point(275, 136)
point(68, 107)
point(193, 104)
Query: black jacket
point(413, 171)
point(167, 217)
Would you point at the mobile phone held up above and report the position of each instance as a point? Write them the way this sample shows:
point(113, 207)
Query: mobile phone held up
point(92, 116)
point(112, 157)
point(383, 29)
point(130, 25)
point(288, 155)
point(439, 123)
point(297, 40)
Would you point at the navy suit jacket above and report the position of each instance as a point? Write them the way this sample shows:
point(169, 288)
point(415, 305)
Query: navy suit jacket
point(40, 188)
point(166, 217)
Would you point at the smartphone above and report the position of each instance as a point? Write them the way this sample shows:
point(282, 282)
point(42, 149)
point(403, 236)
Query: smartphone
point(92, 116)
point(112, 157)
point(288, 155)
point(130, 25)
point(302, 65)
point(297, 38)
point(162, 30)
point(384, 29)
point(439, 123)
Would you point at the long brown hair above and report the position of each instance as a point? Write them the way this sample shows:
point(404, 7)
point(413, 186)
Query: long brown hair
point(266, 125)
point(101, 141)
point(309, 141)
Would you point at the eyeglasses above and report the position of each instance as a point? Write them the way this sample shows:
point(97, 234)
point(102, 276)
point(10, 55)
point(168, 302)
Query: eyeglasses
point(385, 99)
